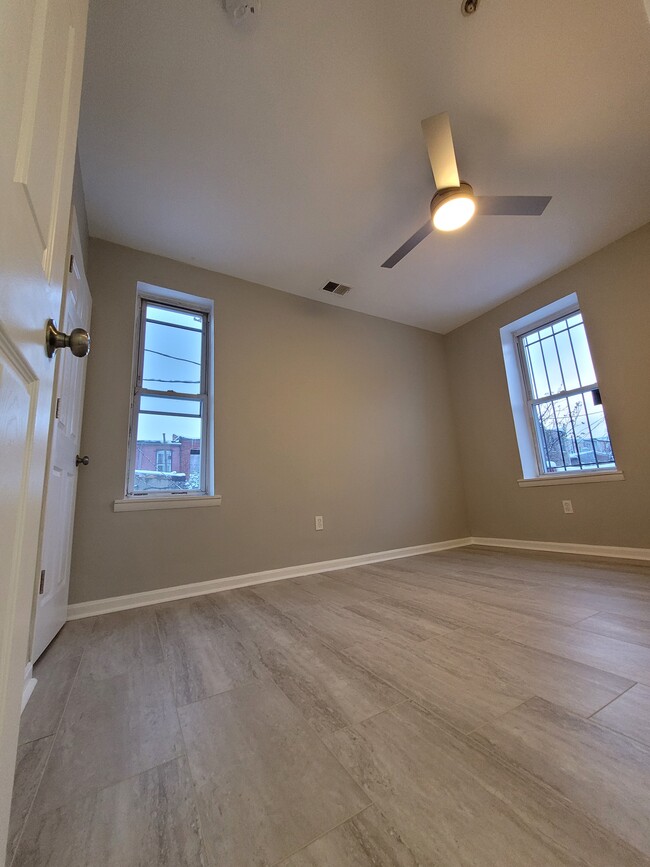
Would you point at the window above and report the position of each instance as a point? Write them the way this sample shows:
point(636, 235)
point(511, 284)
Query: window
point(559, 417)
point(169, 428)
point(564, 398)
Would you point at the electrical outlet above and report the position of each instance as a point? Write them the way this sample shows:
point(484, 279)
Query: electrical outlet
point(567, 505)
point(318, 522)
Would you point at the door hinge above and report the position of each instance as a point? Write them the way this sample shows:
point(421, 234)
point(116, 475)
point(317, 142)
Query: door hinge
point(58, 407)
point(71, 263)
point(41, 586)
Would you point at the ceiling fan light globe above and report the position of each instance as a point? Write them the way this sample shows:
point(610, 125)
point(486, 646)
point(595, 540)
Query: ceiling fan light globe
point(454, 214)
point(453, 208)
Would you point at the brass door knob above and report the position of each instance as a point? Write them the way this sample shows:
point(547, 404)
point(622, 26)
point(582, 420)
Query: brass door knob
point(85, 460)
point(78, 341)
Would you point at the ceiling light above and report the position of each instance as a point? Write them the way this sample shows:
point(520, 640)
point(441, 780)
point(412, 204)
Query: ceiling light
point(454, 213)
point(453, 208)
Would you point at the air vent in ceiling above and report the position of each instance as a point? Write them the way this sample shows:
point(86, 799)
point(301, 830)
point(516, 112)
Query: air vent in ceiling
point(336, 288)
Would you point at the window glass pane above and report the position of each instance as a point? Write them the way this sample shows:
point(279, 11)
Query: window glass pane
point(601, 445)
point(558, 357)
point(556, 435)
point(169, 406)
point(168, 449)
point(553, 370)
point(573, 434)
point(173, 350)
point(193, 321)
point(567, 361)
point(537, 373)
point(582, 454)
point(593, 446)
point(583, 355)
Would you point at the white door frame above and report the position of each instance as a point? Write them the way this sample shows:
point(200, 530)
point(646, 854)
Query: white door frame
point(50, 610)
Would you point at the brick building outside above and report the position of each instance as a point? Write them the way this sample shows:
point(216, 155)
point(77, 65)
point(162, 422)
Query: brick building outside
point(167, 464)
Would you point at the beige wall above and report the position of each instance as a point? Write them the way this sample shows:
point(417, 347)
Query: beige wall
point(318, 411)
point(79, 202)
point(613, 288)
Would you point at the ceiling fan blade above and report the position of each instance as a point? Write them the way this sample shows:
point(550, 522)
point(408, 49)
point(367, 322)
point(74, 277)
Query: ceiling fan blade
point(407, 246)
point(440, 144)
point(512, 206)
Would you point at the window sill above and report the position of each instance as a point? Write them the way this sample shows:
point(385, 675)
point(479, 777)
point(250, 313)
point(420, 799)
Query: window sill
point(573, 479)
point(183, 501)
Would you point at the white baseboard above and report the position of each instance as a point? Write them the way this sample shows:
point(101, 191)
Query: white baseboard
point(614, 551)
point(217, 585)
point(28, 685)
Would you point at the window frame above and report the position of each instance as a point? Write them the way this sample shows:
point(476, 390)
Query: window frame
point(533, 401)
point(522, 400)
point(184, 303)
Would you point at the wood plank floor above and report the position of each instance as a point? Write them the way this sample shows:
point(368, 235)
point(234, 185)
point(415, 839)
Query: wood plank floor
point(469, 708)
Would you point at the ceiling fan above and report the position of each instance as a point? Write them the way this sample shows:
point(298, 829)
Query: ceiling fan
point(454, 203)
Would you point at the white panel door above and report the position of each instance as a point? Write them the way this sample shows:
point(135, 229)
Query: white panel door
point(41, 66)
point(61, 476)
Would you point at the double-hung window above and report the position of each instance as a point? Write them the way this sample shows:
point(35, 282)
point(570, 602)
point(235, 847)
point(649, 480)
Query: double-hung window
point(564, 398)
point(557, 407)
point(170, 409)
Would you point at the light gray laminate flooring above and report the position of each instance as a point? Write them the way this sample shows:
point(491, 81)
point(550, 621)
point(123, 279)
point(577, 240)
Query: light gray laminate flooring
point(469, 708)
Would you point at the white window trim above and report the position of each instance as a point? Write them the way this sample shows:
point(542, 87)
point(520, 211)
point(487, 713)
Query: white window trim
point(526, 436)
point(576, 478)
point(162, 500)
point(184, 501)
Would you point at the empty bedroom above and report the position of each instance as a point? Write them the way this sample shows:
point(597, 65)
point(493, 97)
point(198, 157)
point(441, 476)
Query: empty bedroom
point(324, 433)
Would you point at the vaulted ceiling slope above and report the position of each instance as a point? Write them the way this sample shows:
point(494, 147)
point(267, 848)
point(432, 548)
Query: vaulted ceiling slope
point(288, 150)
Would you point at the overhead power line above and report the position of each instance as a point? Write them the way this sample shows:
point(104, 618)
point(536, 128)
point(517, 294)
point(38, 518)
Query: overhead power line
point(184, 381)
point(175, 357)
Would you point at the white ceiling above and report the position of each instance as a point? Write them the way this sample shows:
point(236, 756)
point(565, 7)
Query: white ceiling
point(290, 153)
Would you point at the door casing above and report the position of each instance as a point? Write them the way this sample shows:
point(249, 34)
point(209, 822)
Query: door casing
point(55, 548)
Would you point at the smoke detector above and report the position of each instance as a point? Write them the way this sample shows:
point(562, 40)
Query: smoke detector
point(336, 288)
point(241, 9)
